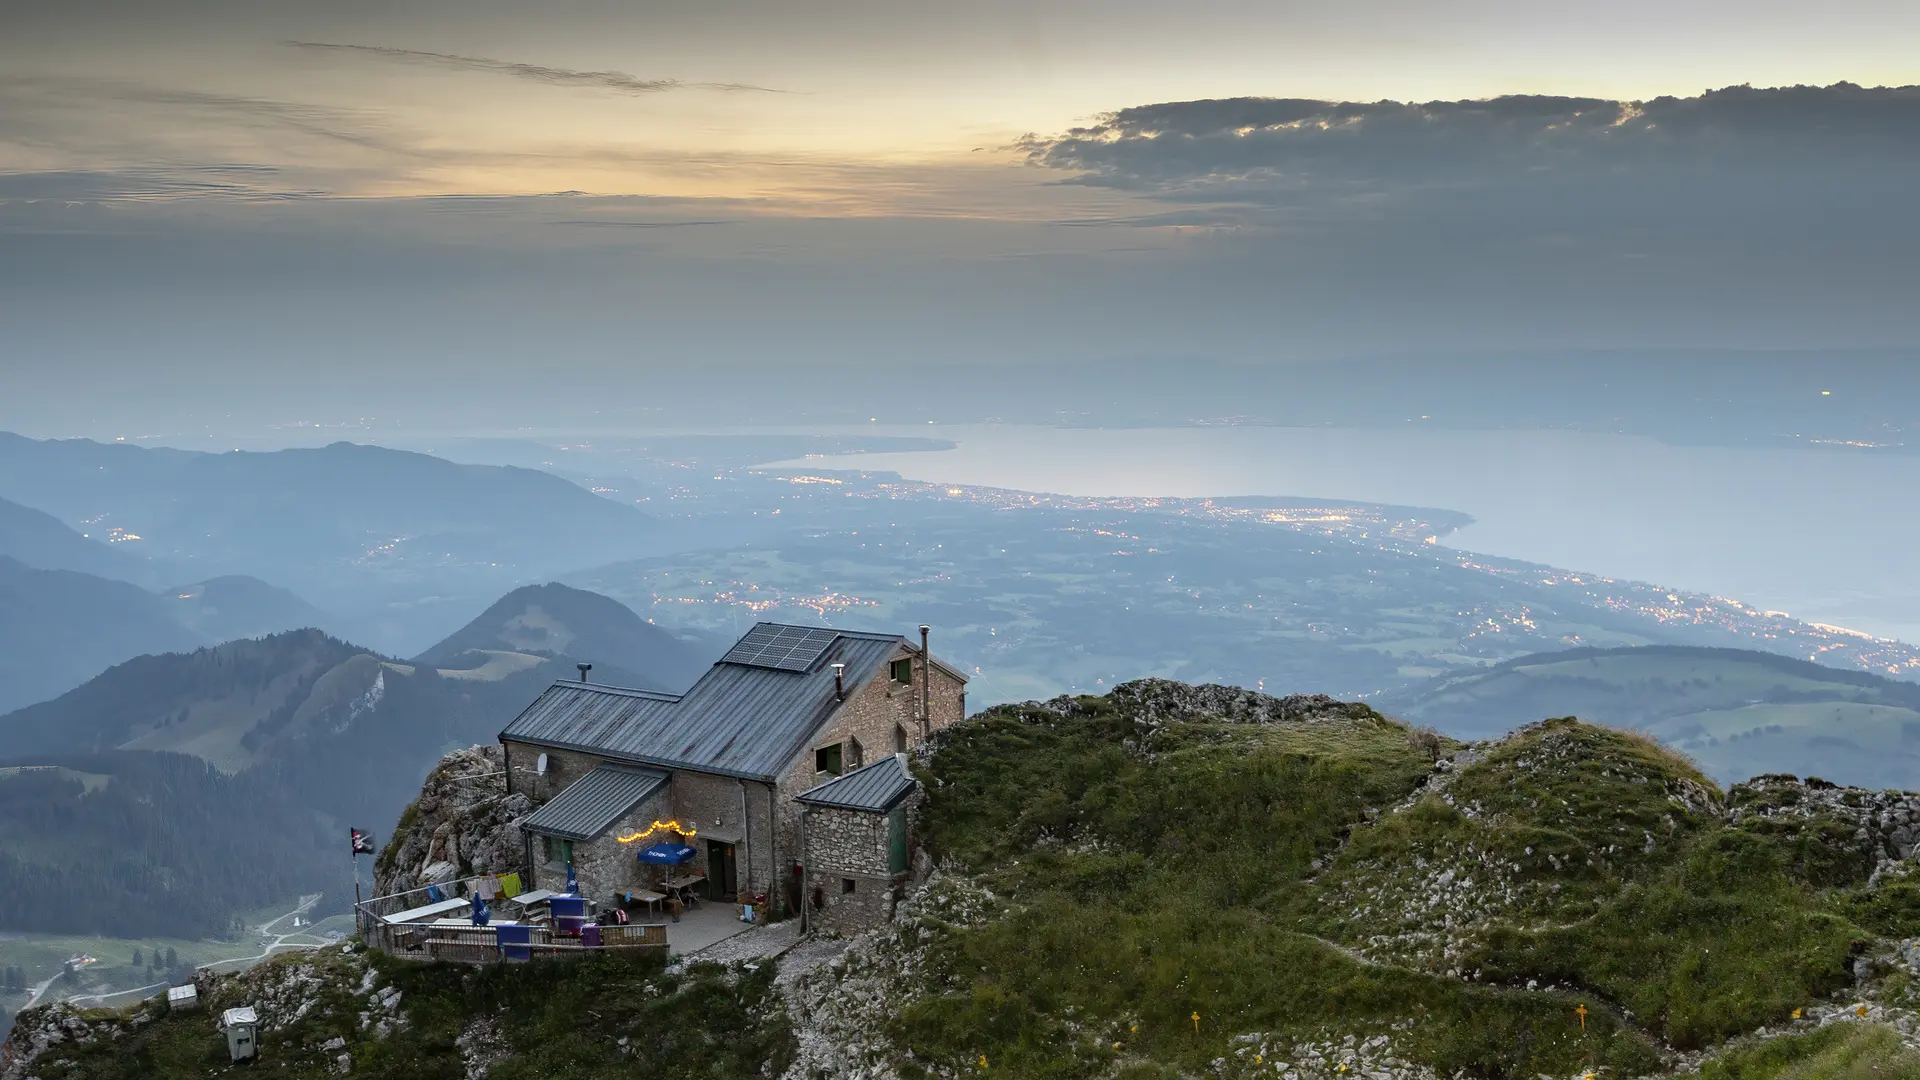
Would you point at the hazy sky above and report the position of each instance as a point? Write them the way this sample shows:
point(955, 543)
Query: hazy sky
point(199, 194)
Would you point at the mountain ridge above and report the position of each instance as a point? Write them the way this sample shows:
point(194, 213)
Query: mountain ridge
point(1739, 712)
point(1173, 881)
point(59, 628)
point(323, 729)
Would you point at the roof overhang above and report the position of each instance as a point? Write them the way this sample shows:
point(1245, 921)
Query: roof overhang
point(636, 759)
point(590, 805)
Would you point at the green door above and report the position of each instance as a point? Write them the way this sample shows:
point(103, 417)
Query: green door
point(897, 840)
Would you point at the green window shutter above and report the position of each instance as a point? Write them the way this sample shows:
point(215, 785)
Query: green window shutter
point(903, 671)
point(827, 759)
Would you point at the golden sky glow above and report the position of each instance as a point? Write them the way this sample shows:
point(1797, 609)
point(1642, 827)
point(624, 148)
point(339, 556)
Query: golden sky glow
point(874, 107)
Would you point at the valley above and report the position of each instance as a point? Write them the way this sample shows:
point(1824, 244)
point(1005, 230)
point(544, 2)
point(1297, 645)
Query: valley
point(1034, 595)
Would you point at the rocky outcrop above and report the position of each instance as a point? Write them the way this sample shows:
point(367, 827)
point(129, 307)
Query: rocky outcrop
point(1883, 825)
point(36, 1031)
point(301, 1001)
point(1162, 701)
point(464, 823)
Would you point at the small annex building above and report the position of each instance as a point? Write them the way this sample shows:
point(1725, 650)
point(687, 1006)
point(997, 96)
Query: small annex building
point(855, 834)
point(790, 712)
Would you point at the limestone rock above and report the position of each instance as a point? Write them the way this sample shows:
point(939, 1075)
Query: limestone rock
point(464, 823)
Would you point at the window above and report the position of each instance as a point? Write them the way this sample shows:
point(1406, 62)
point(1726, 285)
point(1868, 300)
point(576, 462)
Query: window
point(899, 739)
point(846, 885)
point(903, 671)
point(559, 852)
point(856, 755)
point(827, 760)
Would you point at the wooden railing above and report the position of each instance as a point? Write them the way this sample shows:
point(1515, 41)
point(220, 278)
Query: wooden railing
point(481, 944)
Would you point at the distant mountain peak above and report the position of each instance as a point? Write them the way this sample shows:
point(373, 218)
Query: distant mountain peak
point(557, 621)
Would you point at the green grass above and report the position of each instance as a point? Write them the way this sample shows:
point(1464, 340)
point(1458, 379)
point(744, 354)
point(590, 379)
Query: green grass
point(1848, 1051)
point(596, 1018)
point(1149, 874)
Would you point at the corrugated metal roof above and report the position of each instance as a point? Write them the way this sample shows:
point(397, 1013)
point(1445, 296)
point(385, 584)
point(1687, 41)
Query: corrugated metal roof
point(590, 804)
point(877, 787)
point(737, 720)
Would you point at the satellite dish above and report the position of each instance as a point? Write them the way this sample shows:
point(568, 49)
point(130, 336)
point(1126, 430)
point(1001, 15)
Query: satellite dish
point(540, 765)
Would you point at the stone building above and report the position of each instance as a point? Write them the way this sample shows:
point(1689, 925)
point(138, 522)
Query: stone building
point(721, 767)
point(855, 836)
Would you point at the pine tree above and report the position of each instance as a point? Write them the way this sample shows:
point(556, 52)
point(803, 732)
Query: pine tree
point(136, 958)
point(173, 958)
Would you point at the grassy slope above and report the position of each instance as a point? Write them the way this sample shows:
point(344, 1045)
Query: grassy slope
point(1845, 1052)
point(1171, 889)
point(1148, 874)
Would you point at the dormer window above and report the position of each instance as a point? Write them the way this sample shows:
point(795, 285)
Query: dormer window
point(903, 671)
point(827, 759)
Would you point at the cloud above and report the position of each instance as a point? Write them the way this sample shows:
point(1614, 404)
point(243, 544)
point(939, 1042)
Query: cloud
point(1257, 148)
point(617, 81)
point(238, 180)
point(98, 121)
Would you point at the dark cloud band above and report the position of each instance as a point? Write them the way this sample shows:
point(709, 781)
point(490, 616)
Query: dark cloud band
point(1176, 147)
point(618, 82)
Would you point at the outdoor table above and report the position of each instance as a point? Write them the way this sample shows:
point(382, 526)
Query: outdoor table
point(428, 911)
point(645, 896)
point(683, 886)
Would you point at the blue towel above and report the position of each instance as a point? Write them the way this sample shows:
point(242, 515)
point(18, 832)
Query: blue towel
point(434, 894)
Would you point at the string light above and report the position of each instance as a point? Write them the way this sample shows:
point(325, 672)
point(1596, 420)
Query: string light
point(668, 826)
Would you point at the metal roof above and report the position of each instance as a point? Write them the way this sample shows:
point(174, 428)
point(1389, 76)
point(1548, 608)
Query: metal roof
point(739, 720)
point(590, 804)
point(878, 787)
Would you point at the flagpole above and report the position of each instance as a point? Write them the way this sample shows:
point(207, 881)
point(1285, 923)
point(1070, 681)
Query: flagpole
point(353, 848)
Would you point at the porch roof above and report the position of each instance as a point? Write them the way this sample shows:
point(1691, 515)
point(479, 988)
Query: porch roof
point(875, 788)
point(590, 805)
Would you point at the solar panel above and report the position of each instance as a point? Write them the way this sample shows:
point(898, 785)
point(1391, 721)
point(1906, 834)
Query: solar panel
point(781, 648)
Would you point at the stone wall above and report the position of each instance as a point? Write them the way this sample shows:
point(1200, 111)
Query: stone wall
point(846, 842)
point(838, 911)
point(848, 846)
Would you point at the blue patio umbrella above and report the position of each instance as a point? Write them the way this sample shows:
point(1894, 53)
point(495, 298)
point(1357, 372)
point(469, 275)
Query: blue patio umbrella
point(480, 913)
point(573, 883)
point(666, 854)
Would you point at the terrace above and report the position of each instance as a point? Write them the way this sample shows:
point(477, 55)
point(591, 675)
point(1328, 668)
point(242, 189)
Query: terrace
point(432, 925)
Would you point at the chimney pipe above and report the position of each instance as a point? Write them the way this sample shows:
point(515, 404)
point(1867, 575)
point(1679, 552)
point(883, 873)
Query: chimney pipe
point(584, 668)
point(926, 667)
point(840, 682)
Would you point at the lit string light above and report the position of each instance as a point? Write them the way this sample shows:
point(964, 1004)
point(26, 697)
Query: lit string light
point(658, 826)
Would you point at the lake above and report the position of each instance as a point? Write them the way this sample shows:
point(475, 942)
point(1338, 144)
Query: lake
point(1828, 535)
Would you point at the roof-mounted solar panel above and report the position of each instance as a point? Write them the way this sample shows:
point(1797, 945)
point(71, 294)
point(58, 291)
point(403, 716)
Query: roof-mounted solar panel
point(781, 648)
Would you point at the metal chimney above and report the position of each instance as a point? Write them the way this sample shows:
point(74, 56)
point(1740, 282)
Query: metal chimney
point(584, 668)
point(926, 667)
point(840, 682)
